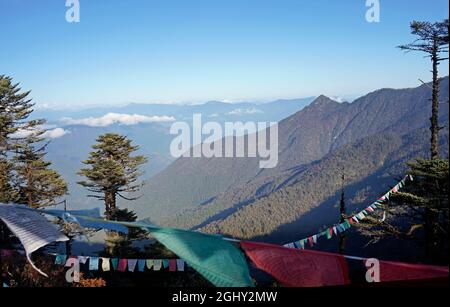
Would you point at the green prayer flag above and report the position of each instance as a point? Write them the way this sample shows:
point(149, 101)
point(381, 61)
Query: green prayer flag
point(219, 261)
point(347, 224)
point(328, 234)
point(165, 263)
point(115, 262)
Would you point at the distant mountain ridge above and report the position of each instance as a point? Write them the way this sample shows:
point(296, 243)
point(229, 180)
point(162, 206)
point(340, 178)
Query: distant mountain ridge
point(67, 151)
point(195, 188)
point(218, 110)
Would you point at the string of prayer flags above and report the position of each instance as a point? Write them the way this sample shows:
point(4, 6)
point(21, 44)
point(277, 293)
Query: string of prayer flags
point(122, 265)
point(356, 218)
point(218, 260)
point(298, 268)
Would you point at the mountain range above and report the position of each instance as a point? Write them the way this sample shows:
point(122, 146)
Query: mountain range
point(369, 140)
point(73, 132)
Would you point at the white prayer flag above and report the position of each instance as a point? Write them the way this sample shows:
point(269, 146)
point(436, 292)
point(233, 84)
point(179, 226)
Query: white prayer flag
point(32, 229)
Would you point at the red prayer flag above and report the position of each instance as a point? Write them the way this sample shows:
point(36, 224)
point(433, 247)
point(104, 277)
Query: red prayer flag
point(122, 265)
point(396, 271)
point(172, 265)
point(298, 268)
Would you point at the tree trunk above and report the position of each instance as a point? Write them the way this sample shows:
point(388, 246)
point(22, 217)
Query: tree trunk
point(29, 192)
point(343, 216)
point(110, 204)
point(435, 104)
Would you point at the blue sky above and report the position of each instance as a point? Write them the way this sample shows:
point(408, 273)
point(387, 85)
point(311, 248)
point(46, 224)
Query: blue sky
point(199, 50)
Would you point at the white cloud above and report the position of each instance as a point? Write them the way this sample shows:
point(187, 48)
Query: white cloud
point(50, 134)
point(337, 98)
point(241, 111)
point(55, 133)
point(22, 133)
point(116, 118)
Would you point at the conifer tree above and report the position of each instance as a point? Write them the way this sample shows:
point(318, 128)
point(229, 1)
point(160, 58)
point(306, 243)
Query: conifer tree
point(433, 40)
point(25, 175)
point(112, 171)
point(422, 206)
point(37, 184)
point(15, 107)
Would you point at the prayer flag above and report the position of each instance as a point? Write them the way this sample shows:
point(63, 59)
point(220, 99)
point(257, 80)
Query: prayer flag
point(172, 265)
point(132, 264)
point(32, 229)
point(397, 271)
point(218, 260)
point(157, 264)
point(141, 265)
point(298, 268)
point(114, 262)
point(180, 265)
point(165, 263)
point(122, 267)
point(93, 263)
point(61, 259)
point(105, 264)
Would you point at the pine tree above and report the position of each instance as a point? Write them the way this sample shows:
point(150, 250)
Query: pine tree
point(37, 184)
point(112, 171)
point(25, 177)
point(15, 107)
point(423, 207)
point(433, 40)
